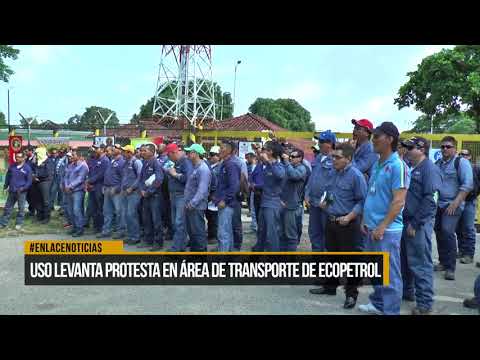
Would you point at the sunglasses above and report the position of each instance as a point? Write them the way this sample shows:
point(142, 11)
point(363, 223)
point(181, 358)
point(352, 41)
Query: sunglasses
point(464, 154)
point(294, 156)
point(447, 146)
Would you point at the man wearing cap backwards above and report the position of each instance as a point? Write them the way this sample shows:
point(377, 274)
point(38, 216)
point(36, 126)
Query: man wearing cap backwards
point(150, 186)
point(211, 213)
point(291, 198)
point(131, 172)
point(177, 178)
point(348, 189)
point(112, 197)
point(94, 184)
point(18, 180)
point(316, 187)
point(74, 188)
point(225, 197)
point(196, 199)
point(382, 216)
point(418, 214)
point(466, 232)
point(451, 202)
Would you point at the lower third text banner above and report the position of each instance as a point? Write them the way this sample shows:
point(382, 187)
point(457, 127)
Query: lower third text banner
point(105, 263)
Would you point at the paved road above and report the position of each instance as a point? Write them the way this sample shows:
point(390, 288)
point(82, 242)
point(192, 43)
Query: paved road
point(16, 298)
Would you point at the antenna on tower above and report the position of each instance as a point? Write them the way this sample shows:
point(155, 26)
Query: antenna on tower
point(185, 88)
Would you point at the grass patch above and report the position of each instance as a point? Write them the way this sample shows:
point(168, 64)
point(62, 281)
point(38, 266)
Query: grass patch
point(33, 227)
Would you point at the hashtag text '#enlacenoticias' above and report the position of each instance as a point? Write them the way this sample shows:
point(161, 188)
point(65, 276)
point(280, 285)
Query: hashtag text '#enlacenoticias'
point(65, 247)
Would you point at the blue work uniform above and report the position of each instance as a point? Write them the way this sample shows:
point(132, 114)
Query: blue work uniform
point(416, 252)
point(292, 202)
point(132, 170)
point(387, 177)
point(112, 198)
point(364, 157)
point(95, 178)
point(466, 231)
point(445, 225)
point(228, 187)
point(269, 225)
point(237, 213)
point(196, 199)
point(75, 177)
point(151, 178)
point(176, 188)
point(314, 190)
point(18, 180)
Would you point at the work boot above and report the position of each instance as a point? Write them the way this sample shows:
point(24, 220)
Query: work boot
point(421, 311)
point(459, 255)
point(408, 297)
point(350, 302)
point(449, 275)
point(439, 267)
point(466, 259)
point(471, 303)
point(478, 264)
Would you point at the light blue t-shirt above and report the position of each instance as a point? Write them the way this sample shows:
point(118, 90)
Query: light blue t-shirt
point(385, 178)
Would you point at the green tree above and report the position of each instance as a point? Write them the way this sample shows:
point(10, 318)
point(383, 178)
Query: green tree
point(3, 121)
point(91, 120)
point(221, 112)
point(445, 85)
point(287, 113)
point(33, 123)
point(7, 52)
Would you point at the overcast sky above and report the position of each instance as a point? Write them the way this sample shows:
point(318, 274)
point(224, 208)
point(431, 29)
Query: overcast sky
point(334, 83)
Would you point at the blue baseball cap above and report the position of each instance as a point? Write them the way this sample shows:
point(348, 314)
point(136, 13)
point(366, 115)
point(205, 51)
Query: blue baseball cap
point(327, 135)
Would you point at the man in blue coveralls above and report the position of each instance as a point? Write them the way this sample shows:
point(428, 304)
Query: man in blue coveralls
point(291, 199)
point(457, 182)
point(418, 215)
point(177, 178)
point(112, 197)
point(466, 231)
point(95, 185)
point(151, 179)
point(132, 170)
point(347, 190)
point(382, 216)
point(196, 198)
point(316, 187)
point(269, 227)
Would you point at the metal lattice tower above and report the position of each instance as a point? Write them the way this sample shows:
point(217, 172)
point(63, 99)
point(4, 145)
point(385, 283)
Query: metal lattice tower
point(185, 86)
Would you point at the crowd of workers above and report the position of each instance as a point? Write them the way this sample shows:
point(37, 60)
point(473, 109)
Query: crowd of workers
point(373, 193)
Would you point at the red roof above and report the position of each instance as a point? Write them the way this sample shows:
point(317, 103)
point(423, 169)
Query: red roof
point(172, 128)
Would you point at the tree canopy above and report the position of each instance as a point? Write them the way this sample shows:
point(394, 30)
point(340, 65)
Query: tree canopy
point(90, 119)
point(444, 86)
point(286, 113)
point(3, 121)
point(7, 52)
point(221, 112)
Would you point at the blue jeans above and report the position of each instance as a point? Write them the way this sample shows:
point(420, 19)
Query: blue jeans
point(269, 230)
point(130, 205)
point(55, 194)
point(14, 197)
point(195, 223)
point(417, 265)
point(112, 205)
point(237, 227)
point(445, 226)
point(152, 219)
point(316, 228)
point(177, 207)
point(466, 232)
point(476, 290)
point(97, 208)
point(388, 298)
point(225, 229)
point(253, 224)
point(76, 210)
point(289, 237)
point(300, 213)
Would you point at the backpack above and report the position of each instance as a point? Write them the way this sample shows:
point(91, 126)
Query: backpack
point(472, 195)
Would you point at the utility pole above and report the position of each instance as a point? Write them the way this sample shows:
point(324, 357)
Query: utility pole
point(235, 87)
point(105, 122)
point(8, 111)
point(32, 119)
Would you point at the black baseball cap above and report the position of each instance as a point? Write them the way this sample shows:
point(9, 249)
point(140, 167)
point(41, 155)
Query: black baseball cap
point(415, 141)
point(387, 128)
